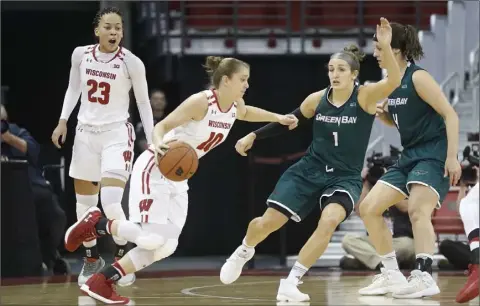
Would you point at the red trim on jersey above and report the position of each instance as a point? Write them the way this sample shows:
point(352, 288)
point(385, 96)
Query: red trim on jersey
point(218, 104)
point(474, 239)
point(130, 133)
point(146, 176)
point(114, 57)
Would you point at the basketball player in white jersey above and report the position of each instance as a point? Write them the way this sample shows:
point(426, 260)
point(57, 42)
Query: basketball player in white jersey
point(158, 206)
point(103, 75)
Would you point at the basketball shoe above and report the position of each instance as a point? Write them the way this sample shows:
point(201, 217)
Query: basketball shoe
point(102, 289)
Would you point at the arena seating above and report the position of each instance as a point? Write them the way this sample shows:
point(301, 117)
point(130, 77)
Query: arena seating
point(335, 15)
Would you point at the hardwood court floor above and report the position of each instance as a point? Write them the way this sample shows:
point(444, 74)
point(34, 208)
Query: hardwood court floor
point(324, 289)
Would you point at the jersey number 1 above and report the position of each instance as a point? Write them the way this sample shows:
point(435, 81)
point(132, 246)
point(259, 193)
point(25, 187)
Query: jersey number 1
point(335, 138)
point(212, 142)
point(104, 92)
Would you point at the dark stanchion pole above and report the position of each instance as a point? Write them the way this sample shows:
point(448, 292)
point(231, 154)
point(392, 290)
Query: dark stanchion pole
point(283, 233)
point(251, 197)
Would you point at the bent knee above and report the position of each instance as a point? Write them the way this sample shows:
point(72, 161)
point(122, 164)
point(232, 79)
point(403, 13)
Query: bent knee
point(166, 250)
point(418, 213)
point(271, 220)
point(268, 224)
point(328, 225)
point(370, 207)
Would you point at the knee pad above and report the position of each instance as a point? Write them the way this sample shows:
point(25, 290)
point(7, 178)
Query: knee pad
point(154, 236)
point(141, 258)
point(84, 202)
point(167, 249)
point(111, 199)
point(150, 241)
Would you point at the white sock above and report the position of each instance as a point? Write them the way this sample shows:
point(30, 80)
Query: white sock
point(297, 272)
point(246, 246)
point(111, 198)
point(389, 261)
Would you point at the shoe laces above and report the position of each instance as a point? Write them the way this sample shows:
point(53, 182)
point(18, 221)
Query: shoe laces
point(416, 278)
point(383, 275)
point(90, 268)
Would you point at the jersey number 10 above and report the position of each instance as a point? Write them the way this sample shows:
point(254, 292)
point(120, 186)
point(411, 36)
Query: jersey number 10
point(104, 92)
point(212, 142)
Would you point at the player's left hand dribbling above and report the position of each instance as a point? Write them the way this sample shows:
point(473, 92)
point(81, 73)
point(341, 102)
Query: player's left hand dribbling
point(453, 170)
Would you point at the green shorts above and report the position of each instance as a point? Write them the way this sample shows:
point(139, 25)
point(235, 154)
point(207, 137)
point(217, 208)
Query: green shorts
point(305, 185)
point(423, 164)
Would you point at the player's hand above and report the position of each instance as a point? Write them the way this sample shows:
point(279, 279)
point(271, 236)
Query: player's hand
point(60, 134)
point(244, 144)
point(384, 32)
point(453, 170)
point(381, 107)
point(289, 120)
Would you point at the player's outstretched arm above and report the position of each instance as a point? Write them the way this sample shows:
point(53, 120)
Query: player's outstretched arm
point(193, 108)
point(303, 114)
point(255, 114)
point(370, 94)
point(136, 68)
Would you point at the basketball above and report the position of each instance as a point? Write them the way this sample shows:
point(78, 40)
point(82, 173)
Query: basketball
point(179, 163)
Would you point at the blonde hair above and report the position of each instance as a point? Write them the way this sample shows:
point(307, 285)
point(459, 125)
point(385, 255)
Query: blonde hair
point(216, 67)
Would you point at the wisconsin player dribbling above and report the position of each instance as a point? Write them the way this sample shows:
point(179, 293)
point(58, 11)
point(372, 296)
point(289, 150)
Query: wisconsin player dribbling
point(158, 207)
point(103, 75)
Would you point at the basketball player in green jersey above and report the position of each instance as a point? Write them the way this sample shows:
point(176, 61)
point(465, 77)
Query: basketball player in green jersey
point(428, 127)
point(343, 115)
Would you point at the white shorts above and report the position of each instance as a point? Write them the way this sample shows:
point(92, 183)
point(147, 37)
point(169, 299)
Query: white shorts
point(154, 198)
point(97, 150)
point(472, 195)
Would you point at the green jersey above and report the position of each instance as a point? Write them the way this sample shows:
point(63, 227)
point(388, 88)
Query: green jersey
point(416, 121)
point(341, 134)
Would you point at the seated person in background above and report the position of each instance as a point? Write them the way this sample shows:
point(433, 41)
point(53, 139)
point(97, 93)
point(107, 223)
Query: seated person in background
point(17, 143)
point(158, 103)
point(363, 254)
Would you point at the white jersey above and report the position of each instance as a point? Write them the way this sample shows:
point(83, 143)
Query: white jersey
point(212, 130)
point(104, 81)
point(105, 87)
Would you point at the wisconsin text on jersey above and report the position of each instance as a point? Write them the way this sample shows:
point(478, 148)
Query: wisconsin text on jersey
point(220, 125)
point(102, 74)
point(335, 119)
point(397, 101)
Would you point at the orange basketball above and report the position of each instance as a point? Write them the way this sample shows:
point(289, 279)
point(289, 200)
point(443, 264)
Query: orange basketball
point(179, 163)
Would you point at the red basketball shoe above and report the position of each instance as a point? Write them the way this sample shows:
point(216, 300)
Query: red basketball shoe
point(83, 229)
point(103, 290)
point(470, 289)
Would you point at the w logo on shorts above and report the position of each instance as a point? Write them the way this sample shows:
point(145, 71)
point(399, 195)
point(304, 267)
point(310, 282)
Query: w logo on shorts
point(127, 157)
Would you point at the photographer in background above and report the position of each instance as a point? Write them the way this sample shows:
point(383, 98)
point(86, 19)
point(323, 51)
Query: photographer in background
point(17, 143)
point(359, 247)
